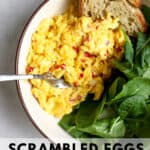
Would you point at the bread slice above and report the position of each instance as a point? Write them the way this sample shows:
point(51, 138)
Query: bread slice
point(131, 18)
point(93, 8)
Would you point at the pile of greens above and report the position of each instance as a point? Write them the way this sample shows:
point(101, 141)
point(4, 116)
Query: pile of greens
point(124, 109)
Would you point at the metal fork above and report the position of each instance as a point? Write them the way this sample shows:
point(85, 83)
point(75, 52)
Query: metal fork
point(58, 83)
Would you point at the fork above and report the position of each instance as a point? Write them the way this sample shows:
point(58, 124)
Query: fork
point(58, 83)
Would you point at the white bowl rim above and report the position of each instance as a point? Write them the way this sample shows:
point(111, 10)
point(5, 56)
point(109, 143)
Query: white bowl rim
point(16, 66)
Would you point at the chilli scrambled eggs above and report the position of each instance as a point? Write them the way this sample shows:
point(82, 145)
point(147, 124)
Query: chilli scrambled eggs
point(80, 50)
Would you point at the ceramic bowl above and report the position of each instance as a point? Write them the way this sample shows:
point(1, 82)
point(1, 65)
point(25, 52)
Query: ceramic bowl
point(46, 124)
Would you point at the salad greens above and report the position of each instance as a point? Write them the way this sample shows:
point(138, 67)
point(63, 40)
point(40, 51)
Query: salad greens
point(124, 109)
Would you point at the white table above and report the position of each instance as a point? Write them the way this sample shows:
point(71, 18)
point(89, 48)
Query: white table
point(14, 122)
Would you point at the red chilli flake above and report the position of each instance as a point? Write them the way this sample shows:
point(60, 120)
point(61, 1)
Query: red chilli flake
point(77, 49)
point(81, 75)
point(101, 74)
point(94, 75)
point(87, 54)
point(97, 27)
point(30, 69)
point(60, 46)
point(73, 23)
point(83, 60)
point(100, 20)
point(103, 62)
point(51, 69)
point(75, 83)
point(79, 97)
point(87, 38)
point(107, 53)
point(119, 49)
point(62, 66)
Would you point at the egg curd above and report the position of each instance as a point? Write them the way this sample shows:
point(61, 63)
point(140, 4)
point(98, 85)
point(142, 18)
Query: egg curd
point(80, 50)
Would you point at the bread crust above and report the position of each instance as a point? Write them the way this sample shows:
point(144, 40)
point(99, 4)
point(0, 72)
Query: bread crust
point(138, 13)
point(141, 18)
point(135, 3)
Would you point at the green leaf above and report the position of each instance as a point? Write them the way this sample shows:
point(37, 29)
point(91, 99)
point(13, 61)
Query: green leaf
point(136, 86)
point(143, 130)
point(116, 87)
point(89, 111)
point(141, 61)
point(141, 38)
point(107, 128)
point(132, 107)
point(108, 112)
point(129, 51)
point(147, 73)
point(74, 132)
point(142, 57)
point(139, 128)
point(148, 109)
point(67, 121)
point(144, 127)
point(68, 124)
point(125, 68)
point(132, 127)
point(145, 59)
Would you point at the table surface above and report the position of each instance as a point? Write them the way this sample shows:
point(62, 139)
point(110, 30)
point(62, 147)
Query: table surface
point(14, 122)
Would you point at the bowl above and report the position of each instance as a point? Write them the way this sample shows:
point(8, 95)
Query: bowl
point(46, 124)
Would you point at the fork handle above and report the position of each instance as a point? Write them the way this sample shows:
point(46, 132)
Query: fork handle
point(15, 77)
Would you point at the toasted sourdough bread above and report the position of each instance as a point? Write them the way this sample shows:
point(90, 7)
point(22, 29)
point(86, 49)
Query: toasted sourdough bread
point(128, 12)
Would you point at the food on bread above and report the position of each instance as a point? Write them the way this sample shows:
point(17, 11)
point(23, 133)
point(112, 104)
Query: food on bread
point(131, 17)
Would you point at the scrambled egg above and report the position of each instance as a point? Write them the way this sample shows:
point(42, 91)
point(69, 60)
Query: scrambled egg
point(80, 50)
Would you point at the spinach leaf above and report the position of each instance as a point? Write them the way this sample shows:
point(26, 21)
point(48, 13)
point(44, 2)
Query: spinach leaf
point(148, 108)
point(143, 130)
point(129, 51)
point(136, 86)
point(107, 128)
point(132, 127)
point(89, 111)
point(141, 38)
point(141, 59)
point(74, 132)
point(139, 127)
point(125, 68)
point(132, 107)
point(108, 112)
point(142, 54)
point(147, 73)
point(144, 127)
point(116, 87)
point(67, 121)
point(68, 124)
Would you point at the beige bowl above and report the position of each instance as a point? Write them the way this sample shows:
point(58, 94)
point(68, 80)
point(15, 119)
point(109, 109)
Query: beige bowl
point(45, 123)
